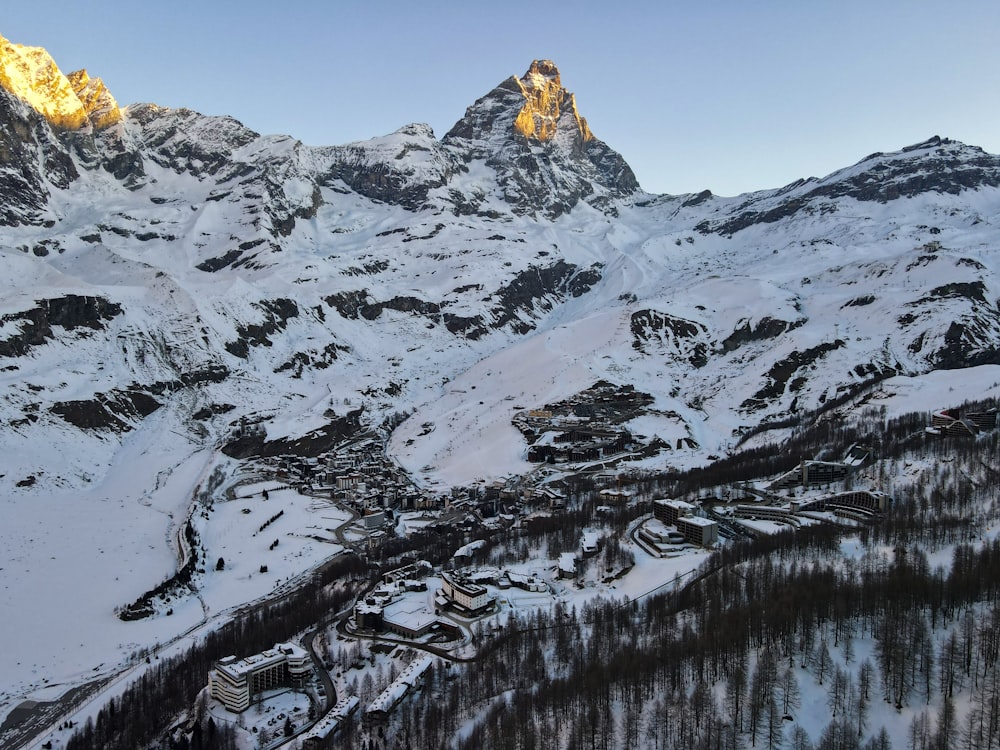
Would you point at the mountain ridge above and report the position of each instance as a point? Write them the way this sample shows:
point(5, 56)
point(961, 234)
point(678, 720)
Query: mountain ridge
point(289, 259)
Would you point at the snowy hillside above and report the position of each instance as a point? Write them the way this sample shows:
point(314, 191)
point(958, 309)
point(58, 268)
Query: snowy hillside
point(167, 275)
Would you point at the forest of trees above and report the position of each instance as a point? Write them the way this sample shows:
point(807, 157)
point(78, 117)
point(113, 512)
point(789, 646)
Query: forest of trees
point(714, 666)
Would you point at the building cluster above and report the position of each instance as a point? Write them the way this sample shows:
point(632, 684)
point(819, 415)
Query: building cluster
point(236, 682)
point(584, 428)
point(688, 527)
point(409, 679)
point(951, 422)
point(818, 473)
point(389, 607)
point(578, 444)
point(320, 737)
point(386, 607)
point(856, 505)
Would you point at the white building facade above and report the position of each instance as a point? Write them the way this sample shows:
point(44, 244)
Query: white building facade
point(234, 682)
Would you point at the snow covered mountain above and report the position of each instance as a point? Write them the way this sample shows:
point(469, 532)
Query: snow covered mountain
point(161, 259)
point(169, 276)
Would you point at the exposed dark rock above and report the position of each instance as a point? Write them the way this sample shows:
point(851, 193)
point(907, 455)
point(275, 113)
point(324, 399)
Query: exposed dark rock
point(861, 301)
point(31, 160)
point(471, 328)
point(187, 142)
point(215, 264)
point(315, 443)
point(529, 293)
point(698, 199)
point(276, 315)
point(348, 304)
point(974, 290)
point(766, 328)
point(69, 312)
point(686, 339)
point(969, 343)
point(207, 412)
point(113, 411)
point(354, 305)
point(317, 360)
point(535, 290)
point(781, 372)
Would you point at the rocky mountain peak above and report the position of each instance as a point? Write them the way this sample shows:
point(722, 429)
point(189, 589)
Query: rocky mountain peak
point(506, 127)
point(66, 102)
point(545, 101)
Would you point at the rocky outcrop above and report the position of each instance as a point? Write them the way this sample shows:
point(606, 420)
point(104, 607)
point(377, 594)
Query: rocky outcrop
point(354, 305)
point(276, 314)
point(401, 168)
point(779, 377)
point(101, 108)
point(32, 163)
point(66, 102)
point(69, 312)
point(515, 305)
point(185, 141)
point(685, 340)
point(115, 411)
point(31, 75)
point(313, 444)
point(765, 328)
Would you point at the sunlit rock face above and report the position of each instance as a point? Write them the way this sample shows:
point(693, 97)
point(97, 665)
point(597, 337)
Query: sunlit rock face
point(101, 108)
point(545, 102)
point(66, 102)
point(30, 74)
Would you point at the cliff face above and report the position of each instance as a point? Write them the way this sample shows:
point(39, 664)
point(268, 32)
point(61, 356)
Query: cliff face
point(46, 118)
point(101, 108)
point(66, 102)
point(546, 101)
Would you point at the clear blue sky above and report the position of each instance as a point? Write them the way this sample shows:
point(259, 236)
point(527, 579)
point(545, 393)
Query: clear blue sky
point(728, 95)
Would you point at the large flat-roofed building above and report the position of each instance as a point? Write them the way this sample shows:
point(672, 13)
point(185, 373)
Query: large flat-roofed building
point(698, 530)
point(680, 515)
point(234, 682)
point(465, 595)
point(668, 511)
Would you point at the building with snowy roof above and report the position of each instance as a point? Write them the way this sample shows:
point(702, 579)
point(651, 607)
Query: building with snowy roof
point(234, 682)
point(388, 699)
point(409, 617)
point(680, 515)
point(590, 542)
point(319, 737)
point(668, 511)
point(462, 594)
point(698, 530)
point(567, 565)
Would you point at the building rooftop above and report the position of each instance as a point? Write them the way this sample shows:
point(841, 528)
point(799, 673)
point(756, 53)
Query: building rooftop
point(696, 521)
point(679, 504)
point(240, 667)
